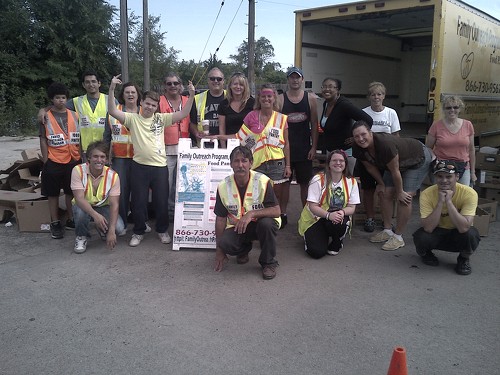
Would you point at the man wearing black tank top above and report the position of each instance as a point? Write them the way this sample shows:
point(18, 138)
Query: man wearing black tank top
point(301, 109)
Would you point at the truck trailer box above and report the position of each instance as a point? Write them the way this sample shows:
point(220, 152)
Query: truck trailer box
point(420, 50)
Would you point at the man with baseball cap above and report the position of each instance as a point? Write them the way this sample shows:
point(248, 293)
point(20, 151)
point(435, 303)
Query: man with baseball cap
point(301, 109)
point(447, 211)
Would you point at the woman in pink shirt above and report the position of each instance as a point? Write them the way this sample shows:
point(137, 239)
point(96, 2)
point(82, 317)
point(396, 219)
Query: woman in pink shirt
point(452, 138)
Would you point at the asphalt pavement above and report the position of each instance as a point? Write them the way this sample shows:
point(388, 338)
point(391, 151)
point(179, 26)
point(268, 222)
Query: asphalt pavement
point(150, 310)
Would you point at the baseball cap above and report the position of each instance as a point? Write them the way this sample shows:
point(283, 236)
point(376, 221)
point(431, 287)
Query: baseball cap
point(294, 69)
point(447, 166)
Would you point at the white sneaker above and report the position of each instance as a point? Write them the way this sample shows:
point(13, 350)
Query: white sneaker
point(80, 244)
point(135, 240)
point(148, 229)
point(164, 237)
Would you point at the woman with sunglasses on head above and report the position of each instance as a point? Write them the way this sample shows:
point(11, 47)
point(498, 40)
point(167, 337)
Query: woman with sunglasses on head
point(331, 200)
point(404, 163)
point(236, 106)
point(265, 132)
point(452, 138)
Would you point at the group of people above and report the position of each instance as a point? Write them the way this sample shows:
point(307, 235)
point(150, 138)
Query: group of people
point(279, 139)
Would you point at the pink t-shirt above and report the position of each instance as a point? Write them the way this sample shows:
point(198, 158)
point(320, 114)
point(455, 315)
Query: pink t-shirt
point(451, 146)
point(252, 122)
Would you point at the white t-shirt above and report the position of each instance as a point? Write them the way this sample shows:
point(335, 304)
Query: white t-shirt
point(337, 198)
point(385, 121)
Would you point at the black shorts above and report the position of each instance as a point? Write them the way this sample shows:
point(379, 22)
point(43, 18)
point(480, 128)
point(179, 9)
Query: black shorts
point(302, 171)
point(55, 177)
point(367, 180)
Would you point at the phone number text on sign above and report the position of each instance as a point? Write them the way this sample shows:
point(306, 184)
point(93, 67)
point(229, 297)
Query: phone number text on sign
point(479, 86)
point(195, 236)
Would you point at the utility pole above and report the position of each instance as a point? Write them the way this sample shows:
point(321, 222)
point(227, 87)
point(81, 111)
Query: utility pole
point(145, 36)
point(124, 39)
point(251, 45)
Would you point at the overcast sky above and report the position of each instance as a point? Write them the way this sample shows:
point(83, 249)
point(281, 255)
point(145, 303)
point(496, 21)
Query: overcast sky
point(188, 24)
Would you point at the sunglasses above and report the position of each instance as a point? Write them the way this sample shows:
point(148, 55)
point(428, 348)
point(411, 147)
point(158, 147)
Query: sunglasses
point(452, 107)
point(172, 83)
point(218, 79)
point(443, 165)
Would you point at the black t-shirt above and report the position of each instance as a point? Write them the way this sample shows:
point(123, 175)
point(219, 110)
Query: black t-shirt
point(211, 108)
point(299, 128)
point(234, 119)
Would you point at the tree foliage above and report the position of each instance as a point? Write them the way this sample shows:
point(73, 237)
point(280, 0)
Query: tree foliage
point(51, 40)
point(45, 41)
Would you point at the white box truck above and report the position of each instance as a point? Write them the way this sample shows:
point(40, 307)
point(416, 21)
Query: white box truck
point(420, 49)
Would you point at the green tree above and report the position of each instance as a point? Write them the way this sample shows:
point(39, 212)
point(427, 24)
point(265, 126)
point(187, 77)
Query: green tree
point(264, 53)
point(45, 41)
point(162, 59)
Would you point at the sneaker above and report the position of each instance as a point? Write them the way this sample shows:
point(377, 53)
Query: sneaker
point(269, 271)
point(463, 266)
point(70, 224)
point(430, 259)
point(284, 220)
point(242, 258)
point(369, 225)
point(332, 251)
point(80, 244)
point(380, 237)
point(164, 237)
point(135, 240)
point(393, 244)
point(56, 230)
point(148, 229)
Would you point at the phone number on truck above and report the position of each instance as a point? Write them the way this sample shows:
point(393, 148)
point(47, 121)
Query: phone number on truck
point(479, 86)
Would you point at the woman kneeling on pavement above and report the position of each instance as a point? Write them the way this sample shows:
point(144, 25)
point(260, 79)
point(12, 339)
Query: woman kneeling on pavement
point(331, 200)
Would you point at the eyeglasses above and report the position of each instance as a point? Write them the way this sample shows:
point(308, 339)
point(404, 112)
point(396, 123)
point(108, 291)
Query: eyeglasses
point(329, 87)
point(218, 79)
point(452, 107)
point(175, 83)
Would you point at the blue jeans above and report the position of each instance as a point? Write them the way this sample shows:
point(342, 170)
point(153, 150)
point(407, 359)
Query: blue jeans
point(144, 178)
point(123, 166)
point(82, 220)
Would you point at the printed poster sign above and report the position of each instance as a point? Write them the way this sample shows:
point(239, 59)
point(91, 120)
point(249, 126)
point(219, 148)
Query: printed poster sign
point(199, 171)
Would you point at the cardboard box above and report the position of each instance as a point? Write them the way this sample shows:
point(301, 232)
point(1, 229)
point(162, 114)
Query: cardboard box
point(31, 153)
point(489, 178)
point(482, 222)
point(489, 206)
point(490, 162)
point(33, 216)
point(491, 194)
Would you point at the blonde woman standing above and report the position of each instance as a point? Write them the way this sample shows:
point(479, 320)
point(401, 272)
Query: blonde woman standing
point(452, 138)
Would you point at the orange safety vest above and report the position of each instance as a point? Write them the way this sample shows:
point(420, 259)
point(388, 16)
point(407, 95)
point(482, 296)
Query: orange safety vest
point(121, 141)
point(63, 147)
point(179, 129)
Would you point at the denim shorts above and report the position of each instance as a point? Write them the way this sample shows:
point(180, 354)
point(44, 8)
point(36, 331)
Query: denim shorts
point(412, 177)
point(274, 169)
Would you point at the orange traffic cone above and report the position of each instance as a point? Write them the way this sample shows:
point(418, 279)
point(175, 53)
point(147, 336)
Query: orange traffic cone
point(398, 362)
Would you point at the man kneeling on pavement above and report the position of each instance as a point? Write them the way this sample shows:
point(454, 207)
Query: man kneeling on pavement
point(96, 189)
point(447, 211)
point(247, 209)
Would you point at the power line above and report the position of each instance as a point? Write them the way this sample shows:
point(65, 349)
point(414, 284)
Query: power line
point(224, 37)
point(204, 48)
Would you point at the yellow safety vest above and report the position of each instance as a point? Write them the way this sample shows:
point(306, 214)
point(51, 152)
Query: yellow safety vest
point(100, 197)
point(200, 101)
point(307, 218)
point(91, 122)
point(63, 147)
point(267, 145)
point(253, 199)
